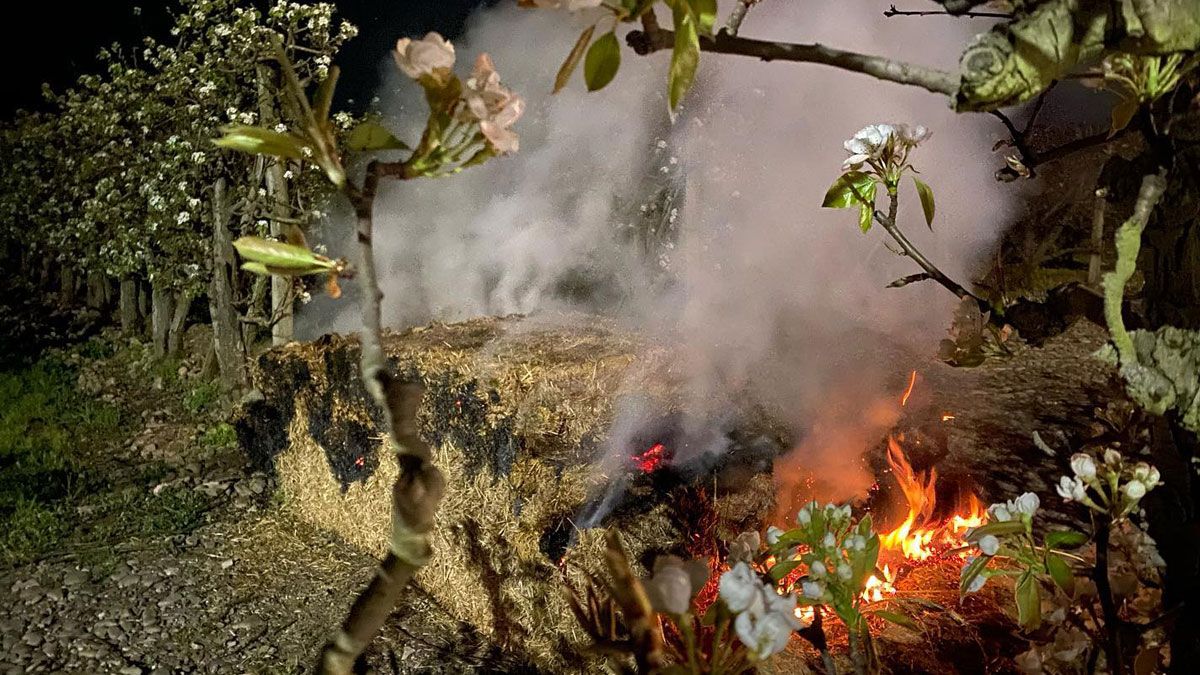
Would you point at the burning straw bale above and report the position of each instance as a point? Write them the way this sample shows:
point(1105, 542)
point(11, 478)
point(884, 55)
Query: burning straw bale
point(516, 415)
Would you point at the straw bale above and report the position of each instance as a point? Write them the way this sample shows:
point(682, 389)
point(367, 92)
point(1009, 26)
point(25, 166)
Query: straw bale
point(516, 413)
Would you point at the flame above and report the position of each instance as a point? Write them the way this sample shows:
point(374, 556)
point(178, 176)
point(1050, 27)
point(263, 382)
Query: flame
point(652, 458)
point(876, 589)
point(912, 381)
point(919, 536)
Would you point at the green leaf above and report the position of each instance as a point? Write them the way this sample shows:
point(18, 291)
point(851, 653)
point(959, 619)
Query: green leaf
point(280, 258)
point(706, 14)
point(684, 57)
point(259, 141)
point(863, 564)
point(1029, 602)
point(998, 529)
point(1122, 114)
point(1063, 539)
point(846, 189)
point(927, 205)
point(783, 568)
point(866, 216)
point(603, 60)
point(256, 268)
point(972, 570)
point(572, 61)
point(1061, 573)
point(370, 136)
point(897, 618)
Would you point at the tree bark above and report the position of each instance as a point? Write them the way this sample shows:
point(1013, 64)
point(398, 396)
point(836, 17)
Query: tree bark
point(282, 298)
point(97, 290)
point(183, 304)
point(66, 286)
point(143, 302)
point(162, 307)
point(227, 337)
point(128, 306)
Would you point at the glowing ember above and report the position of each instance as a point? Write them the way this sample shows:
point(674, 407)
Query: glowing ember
point(360, 462)
point(806, 614)
point(947, 417)
point(912, 380)
point(652, 458)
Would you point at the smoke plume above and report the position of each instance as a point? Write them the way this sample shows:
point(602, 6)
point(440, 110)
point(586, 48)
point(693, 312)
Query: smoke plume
point(772, 295)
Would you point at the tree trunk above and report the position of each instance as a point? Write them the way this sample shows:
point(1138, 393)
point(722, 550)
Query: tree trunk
point(128, 306)
point(183, 304)
point(282, 298)
point(66, 286)
point(227, 338)
point(161, 309)
point(97, 290)
point(143, 302)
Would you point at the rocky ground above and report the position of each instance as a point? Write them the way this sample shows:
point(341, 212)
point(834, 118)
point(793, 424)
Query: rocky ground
point(176, 558)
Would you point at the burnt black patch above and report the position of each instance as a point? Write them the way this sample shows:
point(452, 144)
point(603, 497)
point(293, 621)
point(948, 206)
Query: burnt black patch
point(262, 423)
point(459, 415)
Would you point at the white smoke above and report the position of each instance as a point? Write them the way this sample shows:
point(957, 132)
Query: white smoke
point(776, 296)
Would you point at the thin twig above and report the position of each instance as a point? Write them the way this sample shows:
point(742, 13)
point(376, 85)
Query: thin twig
point(892, 11)
point(1097, 248)
point(889, 223)
point(1008, 174)
point(647, 41)
point(738, 15)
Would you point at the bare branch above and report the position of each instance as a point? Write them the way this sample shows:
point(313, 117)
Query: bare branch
point(738, 15)
point(937, 81)
point(892, 11)
point(1008, 174)
point(420, 485)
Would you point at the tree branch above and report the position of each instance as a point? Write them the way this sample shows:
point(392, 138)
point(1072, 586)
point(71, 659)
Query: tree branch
point(889, 223)
point(1008, 174)
point(892, 11)
point(738, 15)
point(419, 486)
point(937, 81)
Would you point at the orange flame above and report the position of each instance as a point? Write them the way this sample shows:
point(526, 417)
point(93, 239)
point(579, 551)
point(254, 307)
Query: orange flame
point(912, 381)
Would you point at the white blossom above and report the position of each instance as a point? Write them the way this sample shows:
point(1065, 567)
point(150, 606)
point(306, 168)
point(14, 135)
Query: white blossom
point(1083, 466)
point(738, 588)
point(1071, 489)
point(989, 544)
point(432, 55)
point(1135, 490)
point(492, 105)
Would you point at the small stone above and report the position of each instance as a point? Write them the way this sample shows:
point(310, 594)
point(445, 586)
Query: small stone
point(226, 564)
point(33, 638)
point(130, 670)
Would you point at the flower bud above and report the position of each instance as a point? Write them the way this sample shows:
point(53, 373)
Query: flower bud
point(1083, 465)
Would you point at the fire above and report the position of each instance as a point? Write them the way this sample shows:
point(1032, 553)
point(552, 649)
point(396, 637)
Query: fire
point(912, 381)
point(651, 459)
point(876, 589)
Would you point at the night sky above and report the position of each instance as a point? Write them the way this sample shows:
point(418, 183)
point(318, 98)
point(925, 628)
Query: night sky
point(63, 37)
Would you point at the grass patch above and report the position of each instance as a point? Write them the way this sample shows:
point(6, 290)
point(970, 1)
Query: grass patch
point(203, 398)
point(46, 426)
point(43, 422)
point(29, 531)
point(221, 435)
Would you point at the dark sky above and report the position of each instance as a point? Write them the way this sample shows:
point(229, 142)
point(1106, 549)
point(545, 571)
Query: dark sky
point(61, 38)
